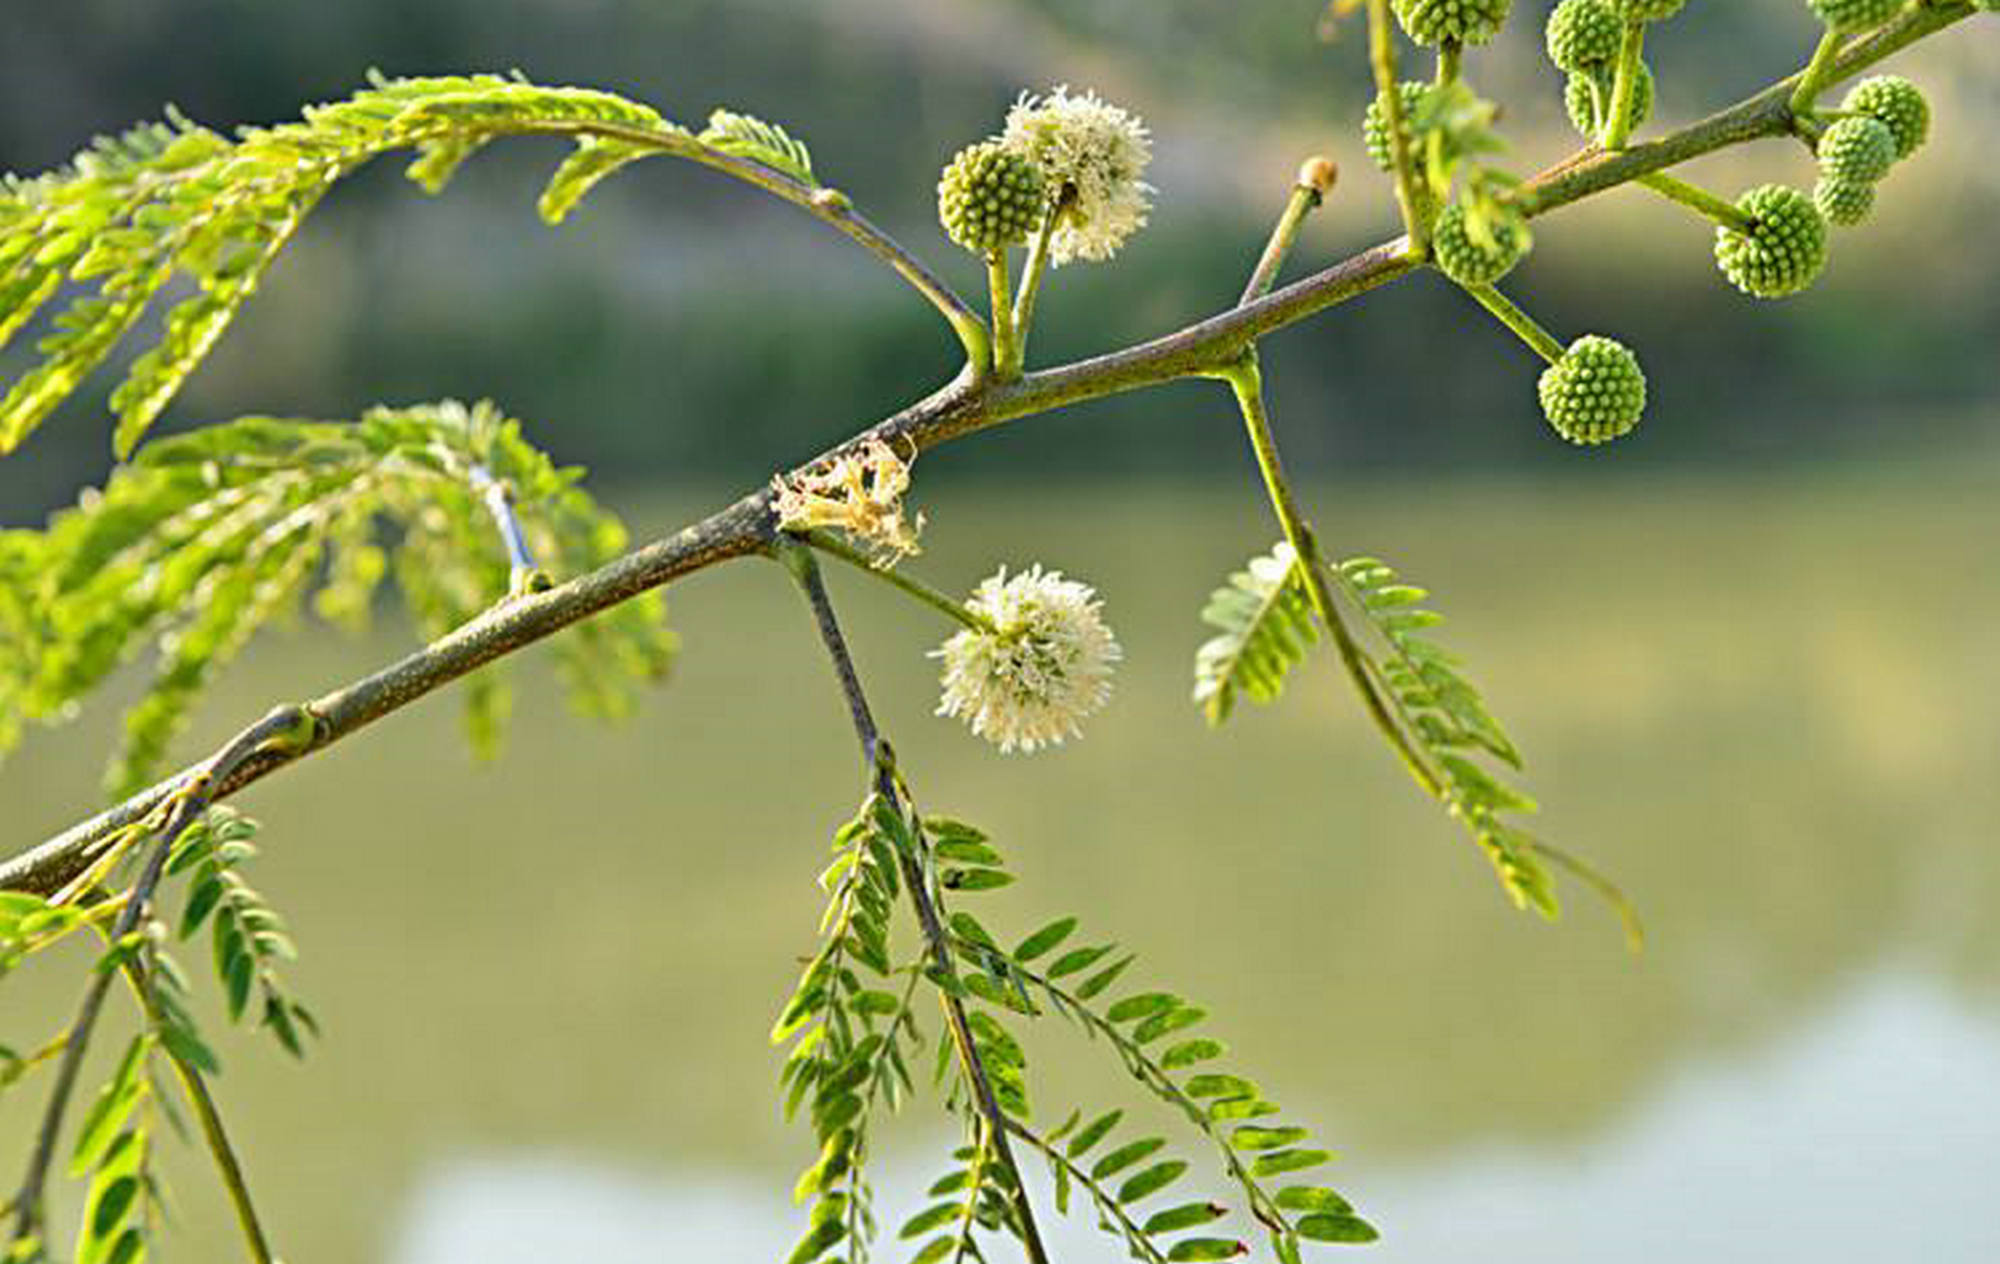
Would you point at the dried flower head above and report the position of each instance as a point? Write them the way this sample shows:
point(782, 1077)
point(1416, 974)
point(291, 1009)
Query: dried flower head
point(859, 492)
point(1091, 156)
point(1045, 667)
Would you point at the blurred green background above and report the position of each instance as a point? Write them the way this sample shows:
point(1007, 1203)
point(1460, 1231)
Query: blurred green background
point(1746, 650)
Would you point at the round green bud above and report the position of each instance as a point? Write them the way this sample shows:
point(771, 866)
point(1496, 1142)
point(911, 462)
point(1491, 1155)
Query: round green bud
point(1582, 92)
point(1855, 15)
point(1468, 259)
point(1647, 10)
point(1844, 202)
point(1897, 104)
point(1375, 127)
point(1783, 251)
point(1595, 392)
point(990, 198)
point(1584, 34)
point(1856, 150)
point(1432, 22)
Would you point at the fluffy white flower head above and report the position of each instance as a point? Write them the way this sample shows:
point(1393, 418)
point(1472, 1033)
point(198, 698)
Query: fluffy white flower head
point(1028, 684)
point(1092, 156)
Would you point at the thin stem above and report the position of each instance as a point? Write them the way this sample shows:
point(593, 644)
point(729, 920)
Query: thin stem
point(1816, 72)
point(1099, 1196)
point(1698, 199)
point(1382, 57)
point(28, 1202)
point(283, 726)
point(1006, 355)
point(213, 1133)
point(831, 206)
point(1031, 284)
point(1618, 124)
point(1246, 380)
point(1450, 54)
point(499, 500)
point(799, 561)
point(1525, 327)
point(1316, 176)
point(833, 546)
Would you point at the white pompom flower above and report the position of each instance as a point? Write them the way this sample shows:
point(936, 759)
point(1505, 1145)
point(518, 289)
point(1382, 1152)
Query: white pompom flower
point(1047, 665)
point(1092, 156)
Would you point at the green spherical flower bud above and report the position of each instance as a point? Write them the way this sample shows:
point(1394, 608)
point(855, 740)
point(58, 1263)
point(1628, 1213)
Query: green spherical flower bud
point(1855, 15)
point(1595, 392)
point(1432, 22)
point(1470, 259)
point(1647, 10)
point(1856, 150)
point(1844, 202)
point(1584, 35)
point(1582, 93)
point(1897, 104)
point(1375, 127)
point(1783, 251)
point(990, 197)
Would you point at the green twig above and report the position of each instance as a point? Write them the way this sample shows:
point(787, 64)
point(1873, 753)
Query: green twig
point(1316, 177)
point(1031, 284)
point(1450, 54)
point(1816, 73)
point(212, 1132)
point(1618, 123)
point(1246, 380)
point(1382, 57)
point(1006, 355)
point(1525, 327)
point(1698, 199)
point(1607, 890)
point(833, 546)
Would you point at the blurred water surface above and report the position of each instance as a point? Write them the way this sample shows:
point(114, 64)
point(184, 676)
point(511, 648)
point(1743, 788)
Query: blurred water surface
point(1766, 706)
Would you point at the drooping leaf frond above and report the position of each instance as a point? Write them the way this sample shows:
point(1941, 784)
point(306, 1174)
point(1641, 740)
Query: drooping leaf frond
point(849, 1023)
point(1444, 713)
point(1152, 1033)
point(106, 234)
point(760, 142)
point(247, 933)
point(1266, 625)
point(209, 535)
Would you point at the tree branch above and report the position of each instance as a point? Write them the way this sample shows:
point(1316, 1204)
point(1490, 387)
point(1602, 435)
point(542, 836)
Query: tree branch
point(959, 409)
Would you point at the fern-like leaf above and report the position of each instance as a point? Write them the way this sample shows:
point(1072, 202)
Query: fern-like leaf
point(248, 936)
point(766, 144)
point(1446, 716)
point(1152, 1032)
point(850, 1026)
point(173, 199)
point(1266, 626)
point(212, 534)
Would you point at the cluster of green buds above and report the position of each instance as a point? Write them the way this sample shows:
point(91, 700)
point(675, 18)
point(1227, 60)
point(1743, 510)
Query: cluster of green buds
point(1584, 39)
point(1435, 22)
point(1882, 121)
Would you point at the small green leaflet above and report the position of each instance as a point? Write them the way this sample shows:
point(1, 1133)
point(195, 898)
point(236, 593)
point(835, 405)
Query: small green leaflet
point(1266, 626)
